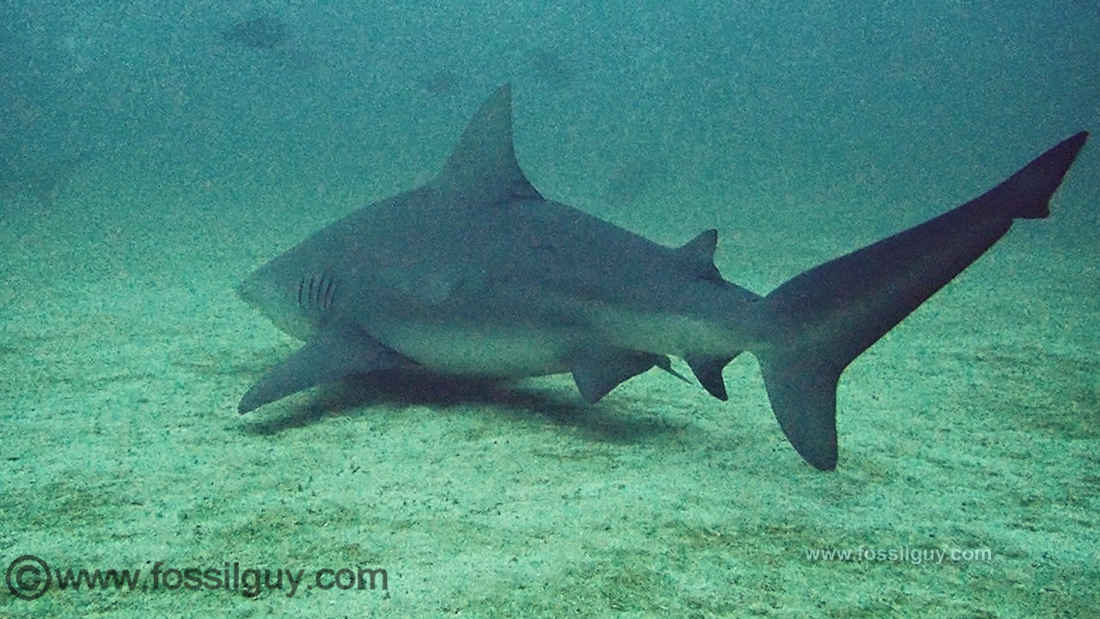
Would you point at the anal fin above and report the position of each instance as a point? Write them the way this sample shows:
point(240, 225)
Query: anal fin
point(709, 372)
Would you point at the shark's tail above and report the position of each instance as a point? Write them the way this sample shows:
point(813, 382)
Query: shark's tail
point(822, 319)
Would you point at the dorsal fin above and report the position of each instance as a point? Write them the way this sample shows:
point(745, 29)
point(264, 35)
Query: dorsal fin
point(698, 255)
point(483, 167)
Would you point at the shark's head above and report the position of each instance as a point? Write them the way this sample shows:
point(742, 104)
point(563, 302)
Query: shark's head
point(284, 301)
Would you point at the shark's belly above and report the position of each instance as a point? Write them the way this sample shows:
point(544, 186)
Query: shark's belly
point(504, 352)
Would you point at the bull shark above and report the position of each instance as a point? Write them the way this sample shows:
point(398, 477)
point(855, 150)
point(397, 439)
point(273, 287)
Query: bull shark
point(475, 274)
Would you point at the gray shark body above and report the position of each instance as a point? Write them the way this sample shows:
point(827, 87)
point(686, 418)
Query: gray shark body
point(476, 274)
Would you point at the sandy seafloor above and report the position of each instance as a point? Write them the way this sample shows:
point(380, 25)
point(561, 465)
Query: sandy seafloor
point(971, 430)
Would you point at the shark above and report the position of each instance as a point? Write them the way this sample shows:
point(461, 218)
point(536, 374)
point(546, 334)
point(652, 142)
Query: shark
point(476, 274)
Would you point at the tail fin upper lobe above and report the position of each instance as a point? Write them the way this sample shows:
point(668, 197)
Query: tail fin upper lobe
point(822, 319)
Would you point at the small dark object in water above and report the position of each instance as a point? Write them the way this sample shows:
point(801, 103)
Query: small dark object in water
point(40, 178)
point(261, 33)
point(440, 83)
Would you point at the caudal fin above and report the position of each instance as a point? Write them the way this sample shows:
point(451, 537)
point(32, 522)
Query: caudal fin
point(820, 320)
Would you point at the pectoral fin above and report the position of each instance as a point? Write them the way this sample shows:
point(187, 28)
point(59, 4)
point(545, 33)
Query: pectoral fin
point(330, 355)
